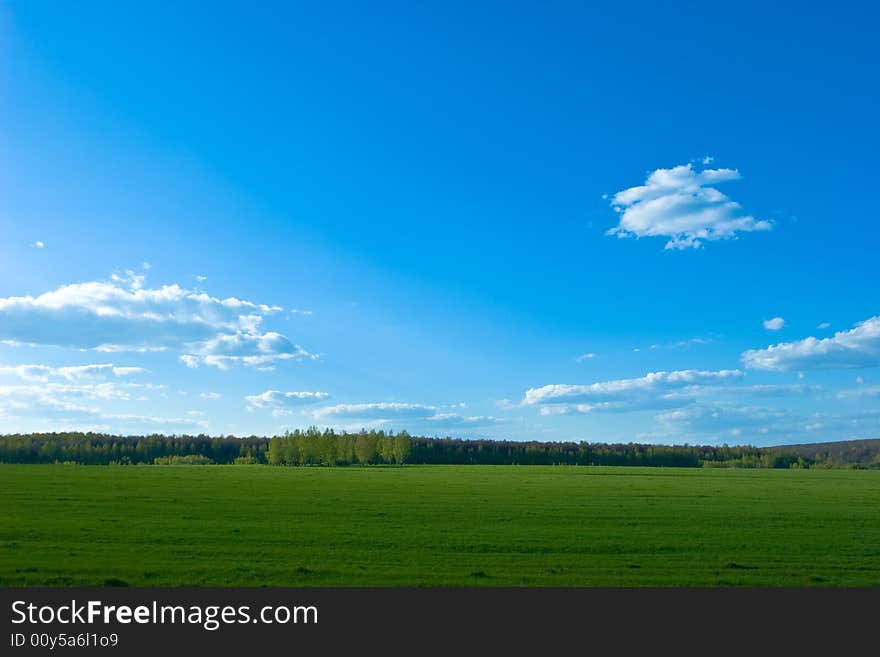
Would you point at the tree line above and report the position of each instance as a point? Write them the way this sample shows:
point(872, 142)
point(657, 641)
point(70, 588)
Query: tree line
point(316, 447)
point(106, 449)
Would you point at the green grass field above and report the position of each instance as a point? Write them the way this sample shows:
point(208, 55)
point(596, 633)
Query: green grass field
point(437, 526)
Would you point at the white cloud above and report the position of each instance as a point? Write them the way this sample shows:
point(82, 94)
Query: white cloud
point(774, 324)
point(39, 245)
point(681, 344)
point(823, 326)
point(858, 347)
point(123, 315)
point(63, 392)
point(28, 372)
point(210, 395)
point(455, 420)
point(682, 205)
point(75, 373)
point(242, 348)
point(654, 390)
point(130, 278)
point(282, 403)
point(377, 410)
point(419, 415)
point(200, 279)
point(583, 357)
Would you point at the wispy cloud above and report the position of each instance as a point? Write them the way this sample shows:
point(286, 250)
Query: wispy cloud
point(865, 392)
point(60, 406)
point(418, 415)
point(654, 390)
point(75, 373)
point(741, 424)
point(682, 204)
point(66, 392)
point(454, 420)
point(377, 410)
point(682, 344)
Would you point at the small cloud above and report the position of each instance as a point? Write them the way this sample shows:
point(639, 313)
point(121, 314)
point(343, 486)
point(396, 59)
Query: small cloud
point(297, 311)
point(210, 395)
point(200, 278)
point(823, 326)
point(583, 357)
point(38, 245)
point(283, 403)
point(683, 205)
point(146, 266)
point(707, 160)
point(774, 324)
point(134, 280)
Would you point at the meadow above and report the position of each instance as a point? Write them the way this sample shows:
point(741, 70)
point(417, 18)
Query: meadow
point(69, 525)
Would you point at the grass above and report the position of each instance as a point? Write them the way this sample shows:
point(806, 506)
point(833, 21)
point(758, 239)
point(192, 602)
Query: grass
point(437, 526)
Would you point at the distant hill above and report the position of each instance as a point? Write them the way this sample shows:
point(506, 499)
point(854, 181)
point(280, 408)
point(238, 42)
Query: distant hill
point(844, 452)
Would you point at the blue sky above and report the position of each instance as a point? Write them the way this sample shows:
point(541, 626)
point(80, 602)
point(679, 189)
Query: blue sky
point(529, 221)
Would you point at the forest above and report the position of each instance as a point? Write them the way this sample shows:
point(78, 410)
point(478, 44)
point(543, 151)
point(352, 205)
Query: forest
point(316, 447)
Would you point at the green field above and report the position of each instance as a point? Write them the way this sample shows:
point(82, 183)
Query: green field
point(437, 526)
